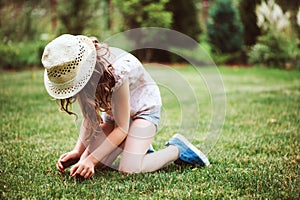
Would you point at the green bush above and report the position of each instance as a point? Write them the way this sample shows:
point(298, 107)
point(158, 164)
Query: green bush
point(224, 29)
point(277, 50)
point(21, 55)
point(279, 45)
point(138, 13)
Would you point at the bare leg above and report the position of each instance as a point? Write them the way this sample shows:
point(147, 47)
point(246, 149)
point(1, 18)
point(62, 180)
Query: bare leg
point(134, 158)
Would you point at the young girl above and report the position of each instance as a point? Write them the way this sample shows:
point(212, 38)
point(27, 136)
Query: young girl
point(120, 104)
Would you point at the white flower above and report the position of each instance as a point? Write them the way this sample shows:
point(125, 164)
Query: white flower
point(262, 13)
point(276, 14)
point(282, 24)
point(270, 16)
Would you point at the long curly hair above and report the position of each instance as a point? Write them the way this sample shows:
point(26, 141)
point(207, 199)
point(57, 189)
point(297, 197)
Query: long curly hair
point(95, 97)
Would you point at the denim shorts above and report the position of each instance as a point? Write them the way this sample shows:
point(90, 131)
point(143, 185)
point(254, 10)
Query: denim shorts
point(152, 117)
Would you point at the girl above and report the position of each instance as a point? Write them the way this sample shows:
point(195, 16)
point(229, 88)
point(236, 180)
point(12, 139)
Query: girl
point(114, 83)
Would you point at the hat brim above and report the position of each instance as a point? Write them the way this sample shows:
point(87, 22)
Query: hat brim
point(73, 87)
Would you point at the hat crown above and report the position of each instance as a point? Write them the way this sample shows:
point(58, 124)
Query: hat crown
point(63, 49)
point(69, 63)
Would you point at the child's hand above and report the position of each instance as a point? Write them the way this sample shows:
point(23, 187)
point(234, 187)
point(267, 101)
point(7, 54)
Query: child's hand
point(67, 159)
point(84, 169)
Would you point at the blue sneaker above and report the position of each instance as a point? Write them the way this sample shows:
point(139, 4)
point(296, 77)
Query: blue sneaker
point(151, 149)
point(188, 153)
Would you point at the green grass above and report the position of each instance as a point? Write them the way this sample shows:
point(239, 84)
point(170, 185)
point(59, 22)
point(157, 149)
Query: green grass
point(256, 156)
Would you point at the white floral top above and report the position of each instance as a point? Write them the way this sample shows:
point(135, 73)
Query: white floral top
point(144, 92)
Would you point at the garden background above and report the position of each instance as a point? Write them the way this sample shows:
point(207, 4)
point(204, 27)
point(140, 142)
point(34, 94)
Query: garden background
point(255, 44)
point(232, 32)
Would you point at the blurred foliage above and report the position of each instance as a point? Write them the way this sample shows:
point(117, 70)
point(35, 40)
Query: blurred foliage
point(270, 17)
point(185, 17)
point(22, 23)
point(146, 13)
point(27, 25)
point(276, 50)
point(19, 19)
point(279, 44)
point(75, 15)
point(292, 6)
point(248, 18)
point(224, 28)
point(20, 55)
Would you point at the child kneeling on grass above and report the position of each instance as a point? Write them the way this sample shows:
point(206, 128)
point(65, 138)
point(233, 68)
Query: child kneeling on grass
point(112, 82)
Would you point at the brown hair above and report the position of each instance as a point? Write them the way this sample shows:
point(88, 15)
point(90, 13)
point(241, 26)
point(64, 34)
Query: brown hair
point(95, 97)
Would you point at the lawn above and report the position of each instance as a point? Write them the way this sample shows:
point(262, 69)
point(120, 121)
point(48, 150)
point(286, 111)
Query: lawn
point(257, 154)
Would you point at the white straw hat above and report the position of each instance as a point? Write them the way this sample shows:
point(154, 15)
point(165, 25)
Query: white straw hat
point(69, 63)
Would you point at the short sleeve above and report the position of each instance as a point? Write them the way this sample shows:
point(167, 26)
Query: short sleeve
point(123, 69)
point(121, 74)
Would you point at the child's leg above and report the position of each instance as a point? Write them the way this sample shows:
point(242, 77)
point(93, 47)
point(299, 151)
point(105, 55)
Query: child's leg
point(134, 158)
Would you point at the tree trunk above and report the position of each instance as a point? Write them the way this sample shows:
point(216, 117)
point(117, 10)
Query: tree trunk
point(53, 15)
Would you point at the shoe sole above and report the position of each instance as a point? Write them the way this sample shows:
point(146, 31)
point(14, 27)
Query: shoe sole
point(193, 148)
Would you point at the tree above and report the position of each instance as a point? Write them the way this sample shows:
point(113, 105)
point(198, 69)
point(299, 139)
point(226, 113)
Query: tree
point(16, 20)
point(144, 13)
point(76, 14)
point(53, 15)
point(249, 19)
point(224, 28)
point(185, 17)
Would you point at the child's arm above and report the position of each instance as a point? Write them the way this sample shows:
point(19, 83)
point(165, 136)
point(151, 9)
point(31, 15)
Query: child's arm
point(121, 113)
point(83, 136)
point(73, 156)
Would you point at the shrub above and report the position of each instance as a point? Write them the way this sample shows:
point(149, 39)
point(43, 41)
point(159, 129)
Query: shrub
point(141, 13)
point(224, 28)
point(20, 55)
point(277, 50)
point(76, 15)
point(278, 47)
point(138, 13)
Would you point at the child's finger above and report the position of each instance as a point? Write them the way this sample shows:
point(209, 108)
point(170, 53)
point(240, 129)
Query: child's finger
point(64, 157)
point(84, 172)
point(60, 167)
point(76, 169)
point(88, 175)
point(73, 169)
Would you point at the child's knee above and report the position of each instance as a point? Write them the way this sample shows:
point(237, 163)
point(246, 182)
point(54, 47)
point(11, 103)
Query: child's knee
point(130, 170)
point(131, 165)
